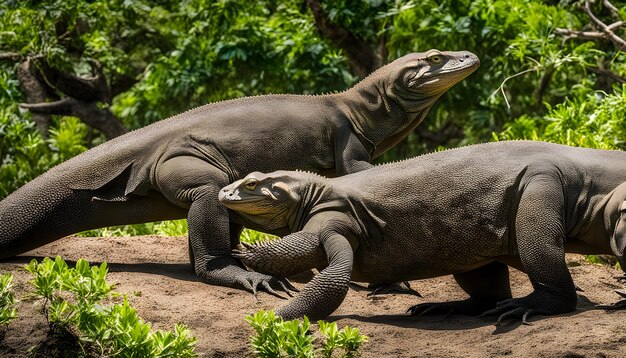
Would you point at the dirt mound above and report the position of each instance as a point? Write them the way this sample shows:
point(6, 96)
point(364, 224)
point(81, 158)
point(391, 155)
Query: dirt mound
point(153, 271)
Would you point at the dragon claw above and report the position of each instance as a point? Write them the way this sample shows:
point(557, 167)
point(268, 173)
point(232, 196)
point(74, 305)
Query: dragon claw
point(396, 287)
point(424, 309)
point(428, 309)
point(254, 282)
point(510, 308)
point(621, 293)
point(621, 304)
point(269, 289)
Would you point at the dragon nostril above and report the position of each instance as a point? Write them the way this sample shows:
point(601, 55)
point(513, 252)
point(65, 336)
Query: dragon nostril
point(467, 55)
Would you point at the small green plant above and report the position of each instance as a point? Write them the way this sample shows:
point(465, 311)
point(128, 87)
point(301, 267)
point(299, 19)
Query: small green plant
point(168, 228)
point(7, 300)
point(253, 237)
point(609, 260)
point(349, 339)
point(275, 337)
point(75, 310)
point(121, 231)
point(172, 228)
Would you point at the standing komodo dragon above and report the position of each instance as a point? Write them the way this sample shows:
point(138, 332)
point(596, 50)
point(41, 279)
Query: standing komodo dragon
point(175, 168)
point(469, 212)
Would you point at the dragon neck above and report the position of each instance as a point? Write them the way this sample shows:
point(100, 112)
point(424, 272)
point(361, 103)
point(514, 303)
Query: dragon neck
point(381, 115)
point(311, 194)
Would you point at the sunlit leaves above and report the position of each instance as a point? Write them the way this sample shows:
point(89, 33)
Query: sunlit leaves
point(590, 120)
point(74, 302)
point(276, 338)
point(7, 300)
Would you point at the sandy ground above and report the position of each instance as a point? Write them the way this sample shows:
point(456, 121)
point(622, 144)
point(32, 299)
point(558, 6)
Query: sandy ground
point(154, 272)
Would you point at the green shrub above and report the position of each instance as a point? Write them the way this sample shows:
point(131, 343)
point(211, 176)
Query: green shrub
point(590, 120)
point(73, 306)
point(275, 337)
point(7, 300)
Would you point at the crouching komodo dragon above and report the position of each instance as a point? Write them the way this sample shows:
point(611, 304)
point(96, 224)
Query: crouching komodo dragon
point(176, 167)
point(469, 212)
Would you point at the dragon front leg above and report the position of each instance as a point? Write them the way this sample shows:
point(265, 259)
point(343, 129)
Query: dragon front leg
point(540, 236)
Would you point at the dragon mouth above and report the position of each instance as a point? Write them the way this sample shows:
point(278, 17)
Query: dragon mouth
point(233, 200)
point(468, 67)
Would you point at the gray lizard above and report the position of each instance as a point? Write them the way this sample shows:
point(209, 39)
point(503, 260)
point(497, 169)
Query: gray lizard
point(470, 212)
point(175, 168)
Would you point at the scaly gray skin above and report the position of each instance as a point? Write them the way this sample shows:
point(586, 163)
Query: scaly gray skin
point(470, 212)
point(175, 168)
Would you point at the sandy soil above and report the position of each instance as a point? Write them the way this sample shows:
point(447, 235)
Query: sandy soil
point(155, 274)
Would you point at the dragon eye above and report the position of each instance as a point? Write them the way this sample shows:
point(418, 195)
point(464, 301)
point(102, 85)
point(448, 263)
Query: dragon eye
point(250, 184)
point(435, 59)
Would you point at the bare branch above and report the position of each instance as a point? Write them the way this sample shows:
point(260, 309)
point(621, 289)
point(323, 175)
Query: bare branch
point(501, 87)
point(614, 11)
point(618, 41)
point(610, 74)
point(35, 92)
point(579, 35)
point(89, 112)
point(61, 107)
point(86, 89)
point(11, 56)
point(616, 24)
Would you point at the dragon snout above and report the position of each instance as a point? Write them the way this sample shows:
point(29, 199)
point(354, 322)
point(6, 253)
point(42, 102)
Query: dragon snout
point(470, 58)
point(227, 195)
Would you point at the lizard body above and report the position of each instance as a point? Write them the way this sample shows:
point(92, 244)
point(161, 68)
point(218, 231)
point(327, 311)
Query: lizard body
point(470, 212)
point(175, 168)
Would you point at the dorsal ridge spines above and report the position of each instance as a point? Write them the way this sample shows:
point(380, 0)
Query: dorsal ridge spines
point(308, 172)
point(452, 150)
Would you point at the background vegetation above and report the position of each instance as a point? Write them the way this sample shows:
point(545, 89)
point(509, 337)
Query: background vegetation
point(91, 70)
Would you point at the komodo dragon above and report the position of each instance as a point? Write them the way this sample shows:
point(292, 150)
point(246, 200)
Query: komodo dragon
point(175, 168)
point(470, 212)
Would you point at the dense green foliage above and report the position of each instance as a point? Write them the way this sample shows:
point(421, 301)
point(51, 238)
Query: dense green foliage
point(74, 302)
point(536, 81)
point(596, 121)
point(277, 338)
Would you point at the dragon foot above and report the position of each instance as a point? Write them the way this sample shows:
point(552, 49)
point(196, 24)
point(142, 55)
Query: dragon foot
point(470, 307)
point(224, 271)
point(511, 308)
point(254, 282)
point(396, 287)
point(619, 305)
point(538, 302)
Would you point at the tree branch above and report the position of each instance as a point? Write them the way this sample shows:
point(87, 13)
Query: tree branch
point(579, 35)
point(612, 9)
point(618, 41)
point(61, 107)
point(87, 89)
point(363, 59)
point(587, 35)
point(35, 93)
point(89, 112)
point(606, 73)
point(11, 56)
